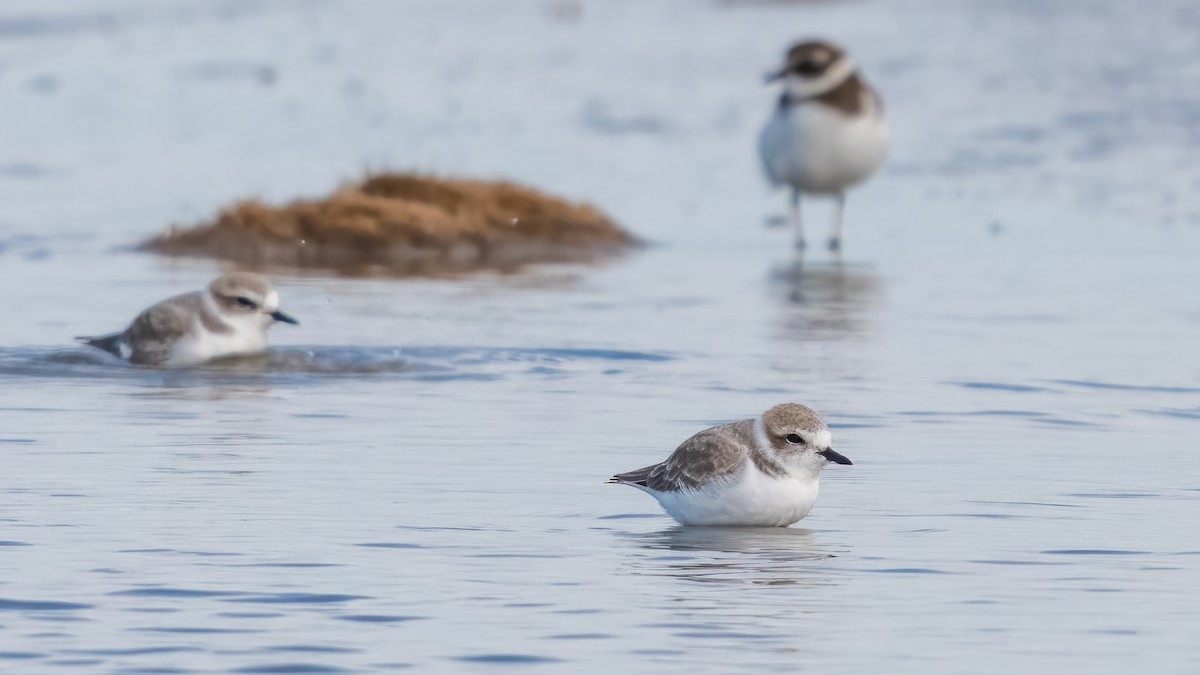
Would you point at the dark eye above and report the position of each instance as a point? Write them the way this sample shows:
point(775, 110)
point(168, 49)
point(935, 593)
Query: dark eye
point(246, 302)
point(794, 439)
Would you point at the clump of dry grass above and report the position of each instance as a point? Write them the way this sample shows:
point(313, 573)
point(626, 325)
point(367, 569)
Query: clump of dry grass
point(404, 224)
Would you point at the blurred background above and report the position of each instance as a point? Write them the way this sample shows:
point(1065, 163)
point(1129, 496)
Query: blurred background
point(1007, 348)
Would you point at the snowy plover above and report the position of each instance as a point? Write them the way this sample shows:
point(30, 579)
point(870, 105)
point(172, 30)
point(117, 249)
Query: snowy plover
point(827, 132)
point(762, 471)
point(228, 318)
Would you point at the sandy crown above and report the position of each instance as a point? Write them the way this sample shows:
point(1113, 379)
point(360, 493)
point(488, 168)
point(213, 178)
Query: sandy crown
point(241, 283)
point(814, 52)
point(787, 416)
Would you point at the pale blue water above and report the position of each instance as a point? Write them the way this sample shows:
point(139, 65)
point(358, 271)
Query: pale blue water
point(414, 477)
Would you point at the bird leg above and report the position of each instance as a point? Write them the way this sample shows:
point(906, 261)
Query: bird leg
point(835, 237)
point(797, 222)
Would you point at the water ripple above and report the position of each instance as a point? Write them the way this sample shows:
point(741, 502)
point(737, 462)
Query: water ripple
point(379, 618)
point(1000, 386)
point(299, 598)
point(133, 651)
point(290, 668)
point(1093, 551)
point(1149, 389)
point(175, 593)
point(507, 659)
point(39, 605)
point(389, 545)
point(299, 364)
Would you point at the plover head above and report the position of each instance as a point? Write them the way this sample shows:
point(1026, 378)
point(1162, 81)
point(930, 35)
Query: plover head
point(247, 297)
point(798, 438)
point(812, 68)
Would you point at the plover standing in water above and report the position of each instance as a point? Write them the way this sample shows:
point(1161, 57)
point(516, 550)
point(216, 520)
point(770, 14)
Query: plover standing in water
point(228, 318)
point(762, 471)
point(827, 132)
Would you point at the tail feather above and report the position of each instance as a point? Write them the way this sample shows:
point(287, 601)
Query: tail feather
point(636, 478)
point(109, 343)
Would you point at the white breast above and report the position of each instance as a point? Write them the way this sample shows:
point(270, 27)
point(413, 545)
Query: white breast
point(748, 498)
point(817, 149)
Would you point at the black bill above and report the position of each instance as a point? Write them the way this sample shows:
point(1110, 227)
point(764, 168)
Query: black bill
point(284, 317)
point(835, 457)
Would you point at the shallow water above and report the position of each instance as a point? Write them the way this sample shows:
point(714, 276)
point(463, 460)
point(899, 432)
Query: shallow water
point(414, 477)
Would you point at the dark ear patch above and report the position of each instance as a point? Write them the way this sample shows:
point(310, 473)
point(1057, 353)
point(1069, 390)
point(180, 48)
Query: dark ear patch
point(779, 442)
point(808, 69)
point(233, 303)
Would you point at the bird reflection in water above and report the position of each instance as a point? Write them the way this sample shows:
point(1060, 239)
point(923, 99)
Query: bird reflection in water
point(731, 555)
point(826, 301)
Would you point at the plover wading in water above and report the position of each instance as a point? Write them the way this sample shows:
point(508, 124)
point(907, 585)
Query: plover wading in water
point(228, 318)
point(827, 132)
point(763, 471)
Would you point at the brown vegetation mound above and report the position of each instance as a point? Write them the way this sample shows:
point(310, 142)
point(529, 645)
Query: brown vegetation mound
point(405, 224)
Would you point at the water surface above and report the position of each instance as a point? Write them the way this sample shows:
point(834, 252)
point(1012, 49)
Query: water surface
point(414, 477)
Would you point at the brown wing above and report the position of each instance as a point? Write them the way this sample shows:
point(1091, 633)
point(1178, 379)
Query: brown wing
point(712, 453)
point(154, 332)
